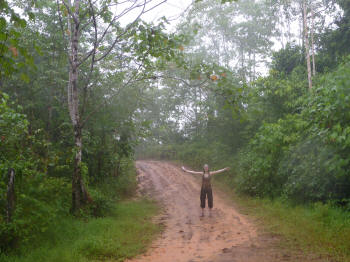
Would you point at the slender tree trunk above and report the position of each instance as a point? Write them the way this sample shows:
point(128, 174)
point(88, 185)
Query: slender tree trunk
point(250, 65)
point(301, 35)
point(306, 43)
point(243, 75)
point(281, 24)
point(254, 67)
point(312, 42)
point(10, 208)
point(289, 31)
point(201, 111)
point(196, 111)
point(79, 196)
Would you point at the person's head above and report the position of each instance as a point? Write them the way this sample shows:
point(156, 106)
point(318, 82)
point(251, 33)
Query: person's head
point(206, 168)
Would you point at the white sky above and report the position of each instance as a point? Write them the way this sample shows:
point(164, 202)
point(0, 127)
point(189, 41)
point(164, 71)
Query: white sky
point(171, 9)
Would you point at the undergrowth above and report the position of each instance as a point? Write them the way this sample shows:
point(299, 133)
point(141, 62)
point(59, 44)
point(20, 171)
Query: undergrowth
point(319, 228)
point(124, 233)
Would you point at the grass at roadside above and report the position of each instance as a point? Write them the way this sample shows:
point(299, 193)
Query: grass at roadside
point(319, 228)
point(124, 233)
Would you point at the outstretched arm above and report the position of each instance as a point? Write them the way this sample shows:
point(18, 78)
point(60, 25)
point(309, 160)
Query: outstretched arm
point(219, 171)
point(191, 172)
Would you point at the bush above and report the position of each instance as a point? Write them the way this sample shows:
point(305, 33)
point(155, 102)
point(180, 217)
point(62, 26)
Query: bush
point(259, 162)
point(306, 168)
point(305, 156)
point(40, 201)
point(318, 167)
point(113, 188)
point(102, 203)
point(124, 233)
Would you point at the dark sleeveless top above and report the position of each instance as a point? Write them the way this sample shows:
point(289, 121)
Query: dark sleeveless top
point(206, 177)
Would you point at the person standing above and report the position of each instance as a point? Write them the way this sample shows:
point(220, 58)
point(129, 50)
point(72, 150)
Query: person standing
point(206, 189)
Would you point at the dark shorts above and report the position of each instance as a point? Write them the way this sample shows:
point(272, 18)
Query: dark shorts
point(206, 192)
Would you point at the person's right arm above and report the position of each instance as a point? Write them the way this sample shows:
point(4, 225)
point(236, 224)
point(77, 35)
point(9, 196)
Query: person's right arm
point(191, 172)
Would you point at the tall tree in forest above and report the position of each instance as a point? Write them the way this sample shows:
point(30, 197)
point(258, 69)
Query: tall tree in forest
point(313, 40)
point(92, 31)
point(306, 42)
point(237, 36)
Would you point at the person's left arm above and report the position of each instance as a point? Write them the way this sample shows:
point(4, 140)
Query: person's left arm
point(219, 171)
point(190, 171)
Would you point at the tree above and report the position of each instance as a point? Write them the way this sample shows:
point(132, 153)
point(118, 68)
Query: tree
point(312, 41)
point(306, 42)
point(11, 48)
point(334, 42)
point(237, 35)
point(91, 21)
point(287, 59)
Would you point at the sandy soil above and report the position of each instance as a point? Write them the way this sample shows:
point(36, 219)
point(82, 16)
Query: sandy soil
point(227, 236)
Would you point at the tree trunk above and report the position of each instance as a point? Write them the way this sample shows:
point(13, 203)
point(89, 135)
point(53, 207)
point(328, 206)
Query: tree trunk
point(243, 75)
point(306, 43)
point(79, 196)
point(196, 111)
point(250, 65)
point(254, 67)
point(10, 208)
point(301, 35)
point(312, 42)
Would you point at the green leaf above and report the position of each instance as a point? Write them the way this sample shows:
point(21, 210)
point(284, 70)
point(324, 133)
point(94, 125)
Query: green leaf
point(25, 78)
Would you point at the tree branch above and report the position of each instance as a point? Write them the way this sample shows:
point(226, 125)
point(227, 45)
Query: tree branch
point(129, 82)
point(62, 28)
point(92, 64)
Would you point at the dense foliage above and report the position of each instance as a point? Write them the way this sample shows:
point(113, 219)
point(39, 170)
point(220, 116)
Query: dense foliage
point(36, 130)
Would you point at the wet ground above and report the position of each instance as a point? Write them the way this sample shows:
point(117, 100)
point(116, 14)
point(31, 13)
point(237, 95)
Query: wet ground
point(226, 236)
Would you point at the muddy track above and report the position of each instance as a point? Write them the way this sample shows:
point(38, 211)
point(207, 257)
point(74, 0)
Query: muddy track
point(187, 237)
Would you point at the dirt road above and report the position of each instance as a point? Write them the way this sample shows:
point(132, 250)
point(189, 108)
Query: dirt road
point(187, 237)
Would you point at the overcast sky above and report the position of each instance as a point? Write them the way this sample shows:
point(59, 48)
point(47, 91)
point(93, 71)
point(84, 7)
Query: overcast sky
point(171, 9)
